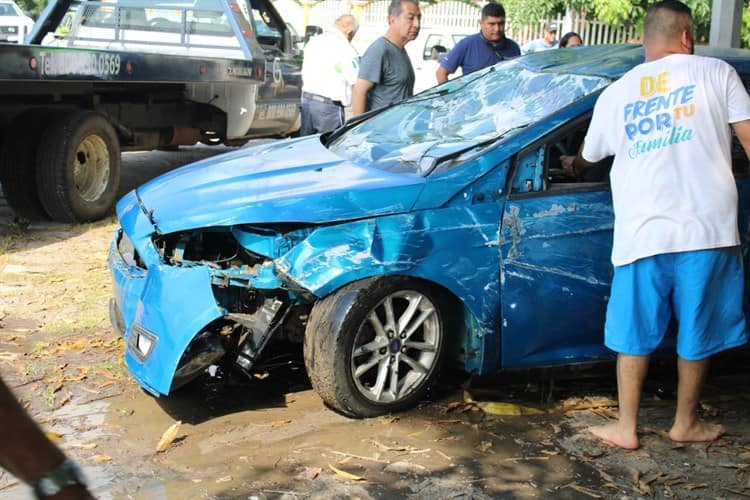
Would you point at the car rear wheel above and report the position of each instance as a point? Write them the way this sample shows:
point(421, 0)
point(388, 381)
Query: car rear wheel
point(78, 169)
point(375, 346)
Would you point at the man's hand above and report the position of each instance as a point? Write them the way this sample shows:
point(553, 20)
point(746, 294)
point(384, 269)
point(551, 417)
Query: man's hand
point(567, 164)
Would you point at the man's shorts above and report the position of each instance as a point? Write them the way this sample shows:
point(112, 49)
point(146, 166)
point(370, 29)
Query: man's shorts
point(703, 289)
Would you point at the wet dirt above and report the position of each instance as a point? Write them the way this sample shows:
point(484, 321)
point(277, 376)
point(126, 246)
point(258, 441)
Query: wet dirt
point(271, 437)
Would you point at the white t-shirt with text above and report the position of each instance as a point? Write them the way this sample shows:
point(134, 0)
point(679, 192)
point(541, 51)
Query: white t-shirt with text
point(667, 123)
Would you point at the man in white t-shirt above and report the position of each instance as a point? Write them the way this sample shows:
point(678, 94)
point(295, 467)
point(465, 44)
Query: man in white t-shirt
point(329, 70)
point(676, 241)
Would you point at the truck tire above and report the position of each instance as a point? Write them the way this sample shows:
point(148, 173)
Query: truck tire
point(78, 170)
point(18, 164)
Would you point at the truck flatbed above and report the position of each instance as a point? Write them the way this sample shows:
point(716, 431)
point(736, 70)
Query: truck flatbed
point(95, 78)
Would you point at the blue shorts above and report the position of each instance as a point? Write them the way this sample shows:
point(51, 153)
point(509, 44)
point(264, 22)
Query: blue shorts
point(703, 289)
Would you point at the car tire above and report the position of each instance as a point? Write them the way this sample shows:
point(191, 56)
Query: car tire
point(363, 367)
point(18, 164)
point(78, 169)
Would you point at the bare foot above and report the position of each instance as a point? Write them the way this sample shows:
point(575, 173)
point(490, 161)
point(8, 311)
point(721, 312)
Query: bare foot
point(697, 432)
point(613, 434)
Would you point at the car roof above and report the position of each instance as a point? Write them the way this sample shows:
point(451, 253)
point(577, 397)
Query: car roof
point(612, 61)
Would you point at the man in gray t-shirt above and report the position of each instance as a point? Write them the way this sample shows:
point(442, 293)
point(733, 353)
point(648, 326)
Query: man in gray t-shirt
point(385, 72)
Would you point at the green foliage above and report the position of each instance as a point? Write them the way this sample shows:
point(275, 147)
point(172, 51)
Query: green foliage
point(627, 12)
point(525, 11)
point(33, 7)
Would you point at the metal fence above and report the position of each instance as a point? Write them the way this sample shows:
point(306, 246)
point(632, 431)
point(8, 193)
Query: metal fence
point(451, 15)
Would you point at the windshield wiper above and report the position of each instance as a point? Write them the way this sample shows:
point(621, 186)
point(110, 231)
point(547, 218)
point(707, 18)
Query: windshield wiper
point(328, 137)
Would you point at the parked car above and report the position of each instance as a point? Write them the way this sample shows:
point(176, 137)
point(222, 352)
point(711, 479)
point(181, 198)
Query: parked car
point(438, 230)
point(14, 24)
point(426, 52)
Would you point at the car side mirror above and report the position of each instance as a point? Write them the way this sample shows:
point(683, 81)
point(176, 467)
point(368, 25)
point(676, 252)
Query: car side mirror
point(437, 52)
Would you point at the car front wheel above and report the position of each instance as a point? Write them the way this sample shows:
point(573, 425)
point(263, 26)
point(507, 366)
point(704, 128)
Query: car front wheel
point(375, 346)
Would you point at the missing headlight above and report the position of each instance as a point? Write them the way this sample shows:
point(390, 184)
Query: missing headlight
point(217, 249)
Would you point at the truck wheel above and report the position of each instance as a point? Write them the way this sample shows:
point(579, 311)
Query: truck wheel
point(18, 164)
point(375, 346)
point(78, 170)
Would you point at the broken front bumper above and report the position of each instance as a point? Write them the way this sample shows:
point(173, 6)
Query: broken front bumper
point(159, 310)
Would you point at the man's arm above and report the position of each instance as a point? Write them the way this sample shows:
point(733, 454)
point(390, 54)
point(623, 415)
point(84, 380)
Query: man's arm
point(25, 451)
point(742, 129)
point(359, 95)
point(441, 74)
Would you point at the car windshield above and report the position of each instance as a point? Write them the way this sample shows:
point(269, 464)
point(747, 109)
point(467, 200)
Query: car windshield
point(459, 114)
point(8, 9)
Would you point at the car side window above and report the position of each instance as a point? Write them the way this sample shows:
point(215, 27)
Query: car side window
point(540, 167)
point(431, 42)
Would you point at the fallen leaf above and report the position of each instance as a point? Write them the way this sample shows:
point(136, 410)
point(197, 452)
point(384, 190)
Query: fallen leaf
point(584, 404)
point(313, 472)
point(169, 435)
point(695, 486)
point(82, 446)
point(583, 490)
point(636, 477)
point(64, 400)
point(485, 446)
point(345, 474)
point(454, 405)
point(55, 437)
point(108, 374)
point(106, 384)
point(735, 492)
point(406, 468)
point(278, 423)
point(606, 413)
point(502, 408)
point(101, 458)
point(604, 475)
point(224, 479)
point(661, 433)
point(388, 448)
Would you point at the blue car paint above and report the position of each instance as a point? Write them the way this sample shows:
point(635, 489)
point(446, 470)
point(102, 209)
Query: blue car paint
point(506, 251)
point(272, 186)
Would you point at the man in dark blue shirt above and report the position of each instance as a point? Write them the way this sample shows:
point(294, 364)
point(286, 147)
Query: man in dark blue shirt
point(486, 48)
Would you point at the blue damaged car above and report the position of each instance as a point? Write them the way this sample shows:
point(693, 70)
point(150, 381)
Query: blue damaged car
point(439, 230)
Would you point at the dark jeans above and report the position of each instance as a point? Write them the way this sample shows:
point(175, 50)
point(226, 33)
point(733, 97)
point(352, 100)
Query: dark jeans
point(319, 117)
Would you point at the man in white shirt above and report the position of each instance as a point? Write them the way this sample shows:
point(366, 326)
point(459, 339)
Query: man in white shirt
point(676, 241)
point(329, 70)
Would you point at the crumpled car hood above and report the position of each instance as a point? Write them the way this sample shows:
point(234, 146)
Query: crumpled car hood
point(287, 181)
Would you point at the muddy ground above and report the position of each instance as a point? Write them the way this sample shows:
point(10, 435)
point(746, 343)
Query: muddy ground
point(271, 437)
